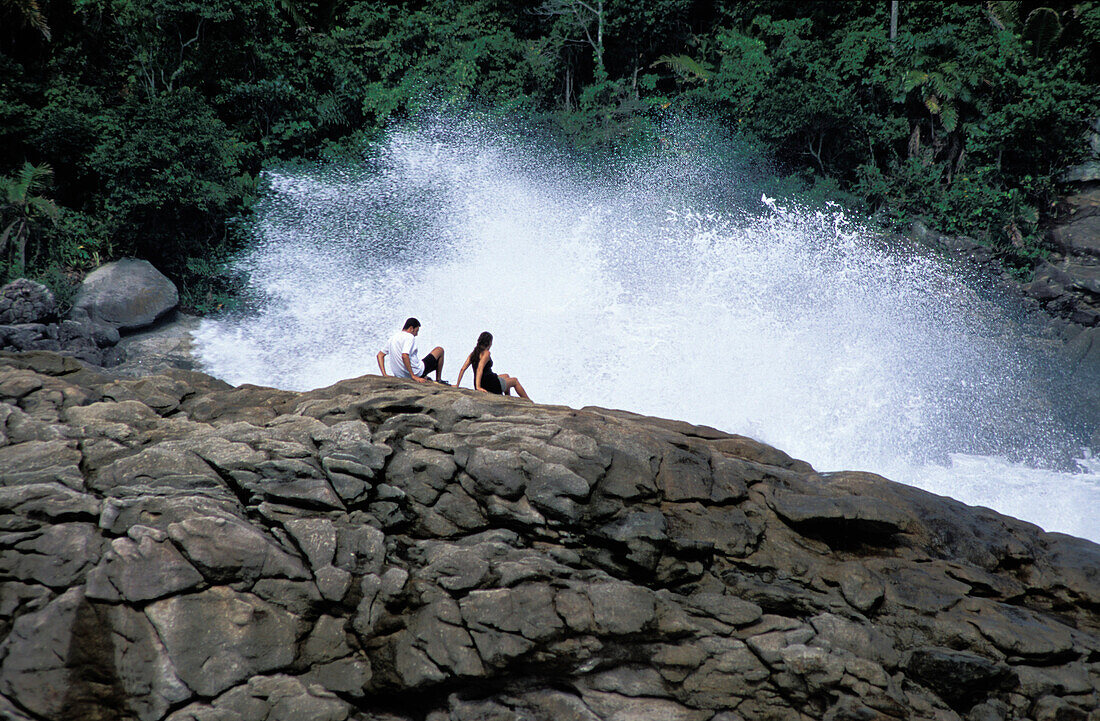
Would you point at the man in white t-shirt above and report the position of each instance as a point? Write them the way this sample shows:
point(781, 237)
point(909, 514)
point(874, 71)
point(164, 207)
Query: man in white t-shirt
point(402, 360)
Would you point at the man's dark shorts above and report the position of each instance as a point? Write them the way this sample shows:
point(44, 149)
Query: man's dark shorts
point(430, 364)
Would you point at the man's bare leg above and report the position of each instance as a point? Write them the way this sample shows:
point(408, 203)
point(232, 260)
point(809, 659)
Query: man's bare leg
point(438, 353)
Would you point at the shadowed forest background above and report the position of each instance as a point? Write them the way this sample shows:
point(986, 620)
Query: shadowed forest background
point(139, 127)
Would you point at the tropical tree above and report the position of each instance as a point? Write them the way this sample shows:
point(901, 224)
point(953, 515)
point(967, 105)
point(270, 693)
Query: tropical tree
point(21, 199)
point(587, 18)
point(939, 88)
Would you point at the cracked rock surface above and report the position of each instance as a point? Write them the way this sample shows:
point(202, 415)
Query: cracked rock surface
point(175, 548)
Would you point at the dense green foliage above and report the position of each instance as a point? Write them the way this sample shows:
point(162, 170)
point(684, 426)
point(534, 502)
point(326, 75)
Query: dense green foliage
point(156, 115)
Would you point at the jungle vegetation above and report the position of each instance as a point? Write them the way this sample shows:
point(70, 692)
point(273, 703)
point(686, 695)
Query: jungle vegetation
point(138, 127)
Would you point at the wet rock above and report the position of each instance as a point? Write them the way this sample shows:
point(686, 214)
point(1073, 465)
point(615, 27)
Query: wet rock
point(555, 490)
point(52, 555)
point(1079, 234)
point(455, 568)
point(165, 466)
point(1020, 631)
point(860, 588)
point(422, 474)
point(727, 609)
point(508, 623)
point(317, 539)
point(695, 527)
point(730, 673)
point(1084, 352)
point(75, 660)
point(297, 482)
point(435, 646)
point(841, 520)
point(620, 608)
point(499, 473)
point(165, 347)
point(28, 322)
point(641, 536)
point(25, 506)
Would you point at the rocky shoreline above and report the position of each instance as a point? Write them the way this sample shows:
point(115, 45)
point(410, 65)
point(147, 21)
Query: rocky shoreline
point(175, 548)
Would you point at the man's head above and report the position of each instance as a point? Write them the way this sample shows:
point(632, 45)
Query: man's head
point(412, 325)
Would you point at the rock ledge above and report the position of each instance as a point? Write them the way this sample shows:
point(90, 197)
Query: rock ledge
point(176, 548)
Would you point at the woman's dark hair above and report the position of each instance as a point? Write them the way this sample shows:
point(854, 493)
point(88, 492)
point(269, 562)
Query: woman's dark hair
point(483, 342)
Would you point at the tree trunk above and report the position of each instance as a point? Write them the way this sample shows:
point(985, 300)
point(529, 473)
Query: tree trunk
point(599, 38)
point(21, 250)
point(893, 22)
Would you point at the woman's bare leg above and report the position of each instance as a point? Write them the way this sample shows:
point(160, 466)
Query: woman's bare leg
point(514, 383)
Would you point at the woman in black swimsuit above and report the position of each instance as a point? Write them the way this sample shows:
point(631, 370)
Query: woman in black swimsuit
point(485, 379)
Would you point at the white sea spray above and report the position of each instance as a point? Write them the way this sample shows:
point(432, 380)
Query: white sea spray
point(667, 286)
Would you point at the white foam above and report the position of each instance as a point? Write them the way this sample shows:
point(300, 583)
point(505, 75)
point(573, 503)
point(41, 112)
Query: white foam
point(794, 327)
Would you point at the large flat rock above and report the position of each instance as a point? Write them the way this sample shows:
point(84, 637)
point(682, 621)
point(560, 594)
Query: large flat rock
point(175, 548)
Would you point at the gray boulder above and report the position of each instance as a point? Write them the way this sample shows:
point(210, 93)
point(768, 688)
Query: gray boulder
point(24, 301)
point(126, 294)
point(1089, 170)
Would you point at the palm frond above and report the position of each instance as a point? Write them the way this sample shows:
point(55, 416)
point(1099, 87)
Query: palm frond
point(941, 84)
point(295, 14)
point(1006, 13)
point(33, 178)
point(685, 66)
point(914, 79)
point(949, 115)
point(30, 13)
point(45, 206)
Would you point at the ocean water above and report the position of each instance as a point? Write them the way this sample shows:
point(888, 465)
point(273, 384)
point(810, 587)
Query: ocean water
point(667, 285)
